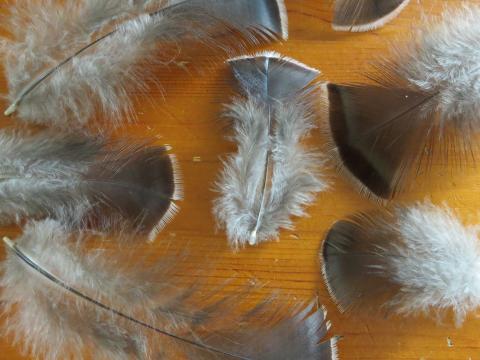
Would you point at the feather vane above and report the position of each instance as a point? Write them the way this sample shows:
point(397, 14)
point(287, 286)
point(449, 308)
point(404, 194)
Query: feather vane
point(365, 15)
point(272, 176)
point(417, 259)
point(45, 173)
point(423, 103)
point(63, 300)
point(94, 54)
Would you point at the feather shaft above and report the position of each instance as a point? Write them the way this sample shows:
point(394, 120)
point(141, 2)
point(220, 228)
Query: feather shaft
point(41, 78)
point(35, 266)
point(423, 104)
point(264, 184)
point(46, 173)
point(268, 170)
point(62, 299)
point(101, 67)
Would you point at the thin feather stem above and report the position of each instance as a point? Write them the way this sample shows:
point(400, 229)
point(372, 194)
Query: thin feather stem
point(11, 109)
point(45, 273)
point(41, 78)
point(38, 80)
point(268, 169)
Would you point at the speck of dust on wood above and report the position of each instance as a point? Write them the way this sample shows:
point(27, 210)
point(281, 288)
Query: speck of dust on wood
point(449, 342)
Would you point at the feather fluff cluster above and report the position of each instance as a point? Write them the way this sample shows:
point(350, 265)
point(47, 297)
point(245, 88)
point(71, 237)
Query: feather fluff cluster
point(437, 264)
point(417, 259)
point(64, 301)
point(50, 323)
point(65, 61)
point(42, 32)
point(42, 174)
point(441, 60)
point(294, 179)
point(272, 176)
point(424, 104)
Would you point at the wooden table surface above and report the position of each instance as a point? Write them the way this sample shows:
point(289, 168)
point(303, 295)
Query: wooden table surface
point(187, 116)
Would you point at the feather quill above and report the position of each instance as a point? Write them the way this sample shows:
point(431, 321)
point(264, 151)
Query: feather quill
point(424, 103)
point(272, 176)
point(47, 172)
point(63, 61)
point(63, 301)
point(417, 259)
point(365, 15)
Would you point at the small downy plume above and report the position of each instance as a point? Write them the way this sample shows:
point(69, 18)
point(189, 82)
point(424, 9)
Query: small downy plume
point(65, 60)
point(272, 176)
point(63, 301)
point(365, 15)
point(424, 103)
point(412, 260)
point(115, 180)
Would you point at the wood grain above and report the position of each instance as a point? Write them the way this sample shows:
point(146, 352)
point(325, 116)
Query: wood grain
point(186, 114)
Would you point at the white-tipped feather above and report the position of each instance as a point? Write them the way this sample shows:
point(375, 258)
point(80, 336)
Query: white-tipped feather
point(273, 176)
point(425, 104)
point(365, 15)
point(42, 174)
point(170, 214)
point(418, 259)
point(177, 178)
point(62, 62)
point(63, 301)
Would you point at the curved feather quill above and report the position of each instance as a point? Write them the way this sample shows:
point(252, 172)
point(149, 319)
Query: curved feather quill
point(365, 15)
point(63, 301)
point(424, 103)
point(68, 59)
point(415, 259)
point(46, 172)
point(272, 177)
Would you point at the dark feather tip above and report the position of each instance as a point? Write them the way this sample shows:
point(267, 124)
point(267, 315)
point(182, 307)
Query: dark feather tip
point(267, 18)
point(273, 15)
point(286, 77)
point(365, 15)
point(141, 187)
point(376, 135)
point(353, 271)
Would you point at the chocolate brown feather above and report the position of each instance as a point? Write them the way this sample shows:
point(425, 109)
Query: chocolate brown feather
point(351, 262)
point(140, 184)
point(365, 15)
point(115, 180)
point(410, 260)
point(377, 134)
point(423, 104)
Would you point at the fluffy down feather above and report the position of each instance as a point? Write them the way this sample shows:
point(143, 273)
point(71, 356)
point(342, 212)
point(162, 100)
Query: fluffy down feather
point(272, 176)
point(417, 259)
point(63, 61)
point(425, 104)
point(46, 172)
point(63, 301)
point(441, 61)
